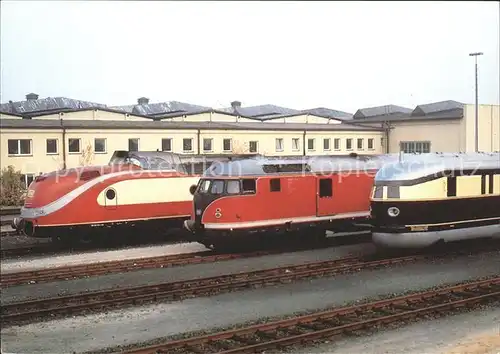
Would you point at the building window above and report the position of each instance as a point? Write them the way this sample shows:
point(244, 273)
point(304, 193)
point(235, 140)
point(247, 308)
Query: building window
point(19, 147)
point(100, 145)
point(207, 144)
point(348, 144)
point(187, 144)
point(336, 144)
point(133, 144)
point(227, 145)
point(27, 179)
point(420, 147)
point(166, 144)
point(360, 144)
point(279, 144)
point(295, 144)
point(51, 146)
point(253, 146)
point(370, 144)
point(326, 144)
point(310, 144)
point(74, 146)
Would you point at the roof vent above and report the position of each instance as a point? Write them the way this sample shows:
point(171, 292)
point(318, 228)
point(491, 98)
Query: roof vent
point(236, 104)
point(31, 96)
point(143, 100)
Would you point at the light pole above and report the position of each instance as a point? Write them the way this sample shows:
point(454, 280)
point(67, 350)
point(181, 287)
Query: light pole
point(475, 55)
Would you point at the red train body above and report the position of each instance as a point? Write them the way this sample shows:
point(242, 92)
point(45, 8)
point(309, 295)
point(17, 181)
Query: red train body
point(245, 197)
point(145, 190)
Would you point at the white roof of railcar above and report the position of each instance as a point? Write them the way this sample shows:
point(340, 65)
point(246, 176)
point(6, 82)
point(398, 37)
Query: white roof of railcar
point(413, 166)
point(299, 164)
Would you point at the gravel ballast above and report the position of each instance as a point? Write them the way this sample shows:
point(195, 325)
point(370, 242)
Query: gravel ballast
point(160, 275)
point(122, 327)
point(474, 332)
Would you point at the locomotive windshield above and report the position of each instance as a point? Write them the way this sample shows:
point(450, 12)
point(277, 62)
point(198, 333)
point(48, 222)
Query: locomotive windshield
point(226, 186)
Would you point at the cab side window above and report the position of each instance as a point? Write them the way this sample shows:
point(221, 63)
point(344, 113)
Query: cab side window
point(233, 187)
point(248, 186)
point(204, 185)
point(217, 187)
point(275, 184)
point(325, 187)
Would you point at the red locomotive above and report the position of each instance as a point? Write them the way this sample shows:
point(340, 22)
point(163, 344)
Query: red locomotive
point(136, 190)
point(236, 198)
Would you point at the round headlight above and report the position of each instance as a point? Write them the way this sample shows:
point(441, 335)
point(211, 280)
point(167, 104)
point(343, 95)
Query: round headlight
point(393, 212)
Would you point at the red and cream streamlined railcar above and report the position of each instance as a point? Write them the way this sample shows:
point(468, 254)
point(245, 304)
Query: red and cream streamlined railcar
point(236, 198)
point(136, 190)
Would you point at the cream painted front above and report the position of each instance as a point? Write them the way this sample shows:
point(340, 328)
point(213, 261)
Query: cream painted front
point(149, 190)
point(435, 189)
point(489, 127)
point(38, 161)
point(149, 140)
point(444, 135)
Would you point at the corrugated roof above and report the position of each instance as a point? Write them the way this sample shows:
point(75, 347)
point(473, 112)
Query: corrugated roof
point(442, 106)
point(453, 114)
point(262, 111)
point(153, 109)
point(47, 104)
point(381, 111)
point(104, 124)
point(329, 113)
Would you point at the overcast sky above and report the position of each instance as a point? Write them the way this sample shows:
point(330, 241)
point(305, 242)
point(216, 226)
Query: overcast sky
point(300, 55)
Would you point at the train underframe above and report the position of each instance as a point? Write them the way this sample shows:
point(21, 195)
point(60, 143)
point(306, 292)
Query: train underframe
point(276, 235)
point(171, 228)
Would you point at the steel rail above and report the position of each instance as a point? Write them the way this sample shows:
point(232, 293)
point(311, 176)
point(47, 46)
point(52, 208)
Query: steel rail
point(116, 266)
point(339, 321)
point(74, 304)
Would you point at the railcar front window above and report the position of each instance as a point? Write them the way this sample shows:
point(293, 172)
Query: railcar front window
point(217, 187)
point(204, 185)
point(233, 187)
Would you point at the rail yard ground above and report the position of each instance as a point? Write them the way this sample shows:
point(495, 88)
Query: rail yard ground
point(149, 322)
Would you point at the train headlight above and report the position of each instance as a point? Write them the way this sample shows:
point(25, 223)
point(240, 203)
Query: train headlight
point(393, 212)
point(198, 212)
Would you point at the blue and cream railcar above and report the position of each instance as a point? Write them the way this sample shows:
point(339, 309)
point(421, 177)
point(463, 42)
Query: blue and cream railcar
point(433, 198)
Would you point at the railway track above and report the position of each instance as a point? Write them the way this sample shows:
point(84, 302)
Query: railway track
point(101, 300)
point(335, 322)
point(101, 268)
point(118, 266)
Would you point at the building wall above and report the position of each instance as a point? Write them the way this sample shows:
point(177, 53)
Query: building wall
point(304, 118)
point(210, 117)
point(8, 116)
point(38, 160)
point(93, 114)
point(489, 127)
point(443, 135)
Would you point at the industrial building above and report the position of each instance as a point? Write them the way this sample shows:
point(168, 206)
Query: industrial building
point(42, 135)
